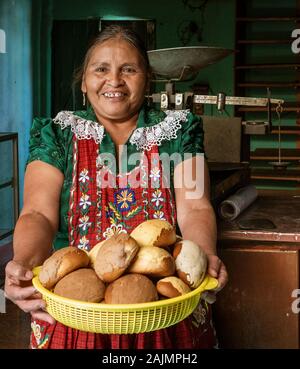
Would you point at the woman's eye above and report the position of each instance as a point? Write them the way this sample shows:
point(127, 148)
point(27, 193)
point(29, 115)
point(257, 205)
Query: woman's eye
point(101, 69)
point(128, 70)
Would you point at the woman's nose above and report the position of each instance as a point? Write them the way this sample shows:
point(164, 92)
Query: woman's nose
point(114, 79)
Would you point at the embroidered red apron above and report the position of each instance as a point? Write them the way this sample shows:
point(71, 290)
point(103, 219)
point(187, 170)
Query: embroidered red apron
point(97, 211)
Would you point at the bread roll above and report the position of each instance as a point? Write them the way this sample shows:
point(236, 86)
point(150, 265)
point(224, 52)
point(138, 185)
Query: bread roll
point(114, 256)
point(172, 287)
point(153, 261)
point(131, 289)
point(154, 232)
point(60, 263)
point(191, 262)
point(82, 284)
point(94, 251)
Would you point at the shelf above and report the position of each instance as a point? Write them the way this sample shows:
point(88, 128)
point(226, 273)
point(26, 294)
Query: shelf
point(270, 66)
point(13, 181)
point(276, 175)
point(264, 42)
point(269, 84)
point(265, 60)
point(272, 154)
point(268, 19)
point(286, 130)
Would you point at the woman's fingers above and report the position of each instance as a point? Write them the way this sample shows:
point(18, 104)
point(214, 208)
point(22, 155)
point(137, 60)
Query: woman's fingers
point(214, 264)
point(41, 315)
point(17, 293)
point(223, 278)
point(17, 272)
point(217, 269)
point(19, 289)
point(30, 305)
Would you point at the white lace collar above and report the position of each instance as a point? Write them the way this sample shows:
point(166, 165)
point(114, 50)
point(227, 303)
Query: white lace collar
point(144, 138)
point(82, 128)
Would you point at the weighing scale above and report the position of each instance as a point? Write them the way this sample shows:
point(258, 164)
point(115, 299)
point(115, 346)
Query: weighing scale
point(183, 64)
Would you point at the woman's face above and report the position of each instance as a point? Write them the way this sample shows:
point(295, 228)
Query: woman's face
point(115, 81)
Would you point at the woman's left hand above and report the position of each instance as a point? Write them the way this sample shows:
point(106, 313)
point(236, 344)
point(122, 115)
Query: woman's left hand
point(216, 269)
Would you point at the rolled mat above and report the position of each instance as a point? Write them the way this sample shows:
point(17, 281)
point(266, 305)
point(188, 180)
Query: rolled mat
point(232, 207)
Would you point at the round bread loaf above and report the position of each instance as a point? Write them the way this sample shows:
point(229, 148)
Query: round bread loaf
point(154, 232)
point(191, 262)
point(172, 287)
point(153, 261)
point(114, 256)
point(60, 263)
point(82, 284)
point(93, 253)
point(131, 289)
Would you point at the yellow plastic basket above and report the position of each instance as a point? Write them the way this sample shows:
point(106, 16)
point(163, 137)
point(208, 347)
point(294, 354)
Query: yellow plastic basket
point(121, 318)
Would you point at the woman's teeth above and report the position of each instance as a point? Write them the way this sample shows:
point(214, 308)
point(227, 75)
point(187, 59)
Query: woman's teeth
point(113, 94)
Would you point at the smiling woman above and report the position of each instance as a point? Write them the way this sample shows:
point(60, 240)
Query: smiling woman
point(74, 197)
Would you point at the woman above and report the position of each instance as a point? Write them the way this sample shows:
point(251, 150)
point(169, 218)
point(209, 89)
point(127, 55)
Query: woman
point(73, 196)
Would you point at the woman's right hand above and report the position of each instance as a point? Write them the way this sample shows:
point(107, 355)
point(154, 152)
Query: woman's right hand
point(19, 289)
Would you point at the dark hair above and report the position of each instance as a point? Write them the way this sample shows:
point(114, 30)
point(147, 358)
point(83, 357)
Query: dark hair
point(114, 32)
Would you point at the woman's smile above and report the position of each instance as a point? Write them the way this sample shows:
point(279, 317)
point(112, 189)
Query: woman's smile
point(114, 96)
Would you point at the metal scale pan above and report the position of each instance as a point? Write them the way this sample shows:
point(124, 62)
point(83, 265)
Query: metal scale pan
point(183, 63)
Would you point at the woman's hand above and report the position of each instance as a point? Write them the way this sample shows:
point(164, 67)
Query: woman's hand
point(18, 288)
point(216, 269)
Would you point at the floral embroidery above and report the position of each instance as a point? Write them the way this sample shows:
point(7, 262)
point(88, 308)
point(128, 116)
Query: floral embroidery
point(155, 204)
point(84, 243)
point(155, 176)
point(84, 223)
point(124, 198)
point(83, 176)
point(84, 205)
point(133, 212)
point(99, 201)
point(118, 215)
point(84, 201)
point(37, 331)
point(158, 214)
point(113, 213)
point(114, 229)
point(157, 197)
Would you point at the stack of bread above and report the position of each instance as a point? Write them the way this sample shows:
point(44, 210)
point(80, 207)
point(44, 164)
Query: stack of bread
point(149, 264)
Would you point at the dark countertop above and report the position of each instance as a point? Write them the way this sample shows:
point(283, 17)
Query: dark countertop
point(282, 210)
